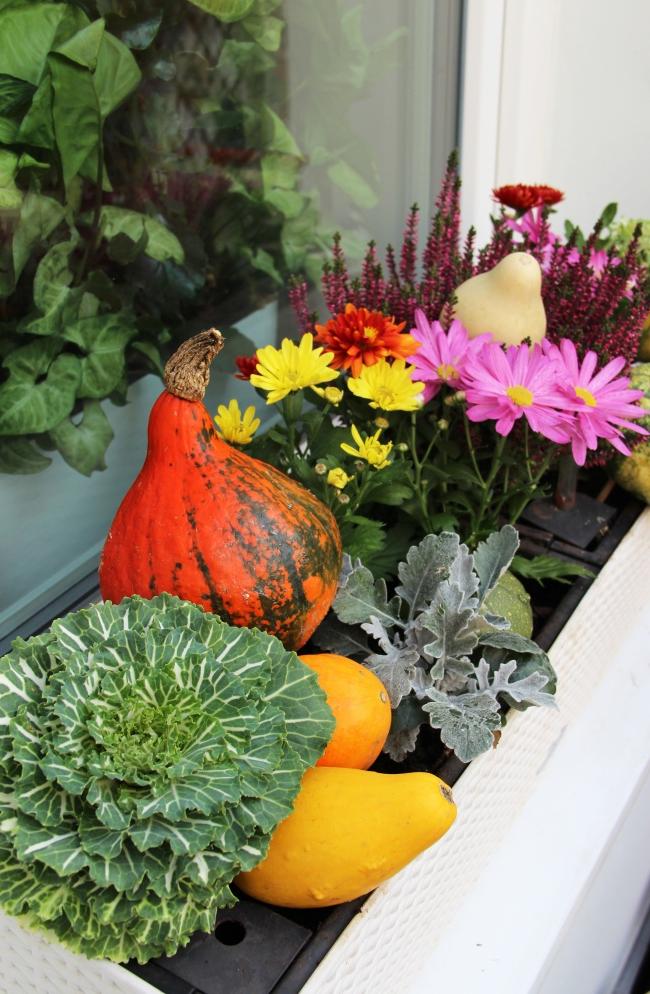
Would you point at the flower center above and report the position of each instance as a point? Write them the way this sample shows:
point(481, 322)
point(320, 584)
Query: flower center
point(370, 334)
point(521, 396)
point(586, 395)
point(447, 372)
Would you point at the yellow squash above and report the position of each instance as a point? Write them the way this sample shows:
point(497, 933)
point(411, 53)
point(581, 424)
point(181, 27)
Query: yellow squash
point(349, 831)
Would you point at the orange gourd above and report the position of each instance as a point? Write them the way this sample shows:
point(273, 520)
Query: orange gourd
point(360, 705)
point(212, 525)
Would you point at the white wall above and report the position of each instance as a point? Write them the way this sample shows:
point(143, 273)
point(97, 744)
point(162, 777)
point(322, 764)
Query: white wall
point(557, 91)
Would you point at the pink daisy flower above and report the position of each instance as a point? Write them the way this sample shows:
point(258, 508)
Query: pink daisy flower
point(520, 382)
point(442, 354)
point(602, 402)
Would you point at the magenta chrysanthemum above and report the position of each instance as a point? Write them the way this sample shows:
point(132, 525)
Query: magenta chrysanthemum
point(601, 402)
point(503, 386)
point(441, 355)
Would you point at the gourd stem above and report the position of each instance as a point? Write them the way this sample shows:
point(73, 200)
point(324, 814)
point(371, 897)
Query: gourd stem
point(187, 371)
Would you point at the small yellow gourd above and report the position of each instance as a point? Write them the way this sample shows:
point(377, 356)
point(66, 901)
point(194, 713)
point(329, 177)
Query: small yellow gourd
point(349, 831)
point(506, 301)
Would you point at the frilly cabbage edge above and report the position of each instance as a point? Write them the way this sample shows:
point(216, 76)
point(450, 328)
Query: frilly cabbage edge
point(147, 753)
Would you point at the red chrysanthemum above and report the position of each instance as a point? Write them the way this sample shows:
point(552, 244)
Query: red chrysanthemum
point(524, 196)
point(358, 337)
point(247, 365)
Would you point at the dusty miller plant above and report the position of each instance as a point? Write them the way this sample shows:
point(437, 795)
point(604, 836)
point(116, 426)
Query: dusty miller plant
point(441, 655)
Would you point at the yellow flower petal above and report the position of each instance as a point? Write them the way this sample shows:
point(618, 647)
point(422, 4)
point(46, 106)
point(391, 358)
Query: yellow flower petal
point(233, 427)
point(388, 386)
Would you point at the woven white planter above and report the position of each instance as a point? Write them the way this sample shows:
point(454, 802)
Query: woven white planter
point(421, 930)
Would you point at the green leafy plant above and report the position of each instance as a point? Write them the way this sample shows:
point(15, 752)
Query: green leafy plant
point(147, 182)
point(442, 657)
point(147, 752)
point(543, 568)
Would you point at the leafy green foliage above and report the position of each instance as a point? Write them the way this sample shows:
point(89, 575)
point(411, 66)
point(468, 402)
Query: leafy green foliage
point(148, 177)
point(441, 656)
point(544, 568)
point(147, 752)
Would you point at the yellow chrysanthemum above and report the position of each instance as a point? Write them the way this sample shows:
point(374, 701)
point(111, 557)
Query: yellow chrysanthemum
point(235, 427)
point(374, 452)
point(333, 395)
point(388, 386)
point(338, 478)
point(291, 367)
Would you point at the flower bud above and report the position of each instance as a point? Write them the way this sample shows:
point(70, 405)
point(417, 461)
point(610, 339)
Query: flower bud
point(320, 468)
point(343, 498)
point(443, 424)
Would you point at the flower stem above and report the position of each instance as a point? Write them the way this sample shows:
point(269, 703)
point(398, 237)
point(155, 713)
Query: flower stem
point(486, 487)
point(472, 453)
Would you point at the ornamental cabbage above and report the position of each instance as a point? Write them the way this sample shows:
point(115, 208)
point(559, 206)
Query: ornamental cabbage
point(147, 753)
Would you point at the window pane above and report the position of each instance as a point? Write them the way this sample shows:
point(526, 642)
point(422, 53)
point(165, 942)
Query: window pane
point(169, 179)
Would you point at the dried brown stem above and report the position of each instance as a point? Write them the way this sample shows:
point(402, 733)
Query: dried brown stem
point(187, 372)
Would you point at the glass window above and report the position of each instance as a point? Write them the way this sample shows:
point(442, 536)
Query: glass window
point(164, 170)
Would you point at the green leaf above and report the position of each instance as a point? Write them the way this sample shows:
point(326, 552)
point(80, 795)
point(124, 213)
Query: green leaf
point(41, 389)
point(84, 445)
point(279, 170)
point(19, 455)
point(276, 136)
point(77, 121)
point(288, 202)
point(152, 352)
point(361, 536)
point(608, 214)
point(39, 216)
point(15, 94)
point(10, 196)
point(8, 131)
point(83, 47)
point(405, 728)
point(161, 243)
point(353, 184)
point(467, 722)
point(37, 126)
point(53, 276)
point(239, 57)
point(522, 690)
point(427, 566)
point(266, 31)
point(542, 568)
point(103, 339)
point(262, 261)
point(225, 10)
point(493, 557)
point(453, 622)
point(28, 32)
point(116, 74)
point(59, 848)
point(394, 666)
point(361, 597)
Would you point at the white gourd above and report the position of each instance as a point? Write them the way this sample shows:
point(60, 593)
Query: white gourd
point(506, 301)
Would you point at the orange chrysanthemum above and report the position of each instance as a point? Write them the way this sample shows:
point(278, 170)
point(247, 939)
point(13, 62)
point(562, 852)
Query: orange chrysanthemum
point(358, 337)
point(524, 196)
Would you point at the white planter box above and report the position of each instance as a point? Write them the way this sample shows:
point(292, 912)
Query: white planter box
point(508, 900)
